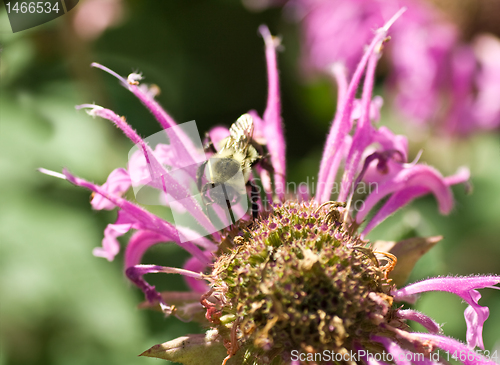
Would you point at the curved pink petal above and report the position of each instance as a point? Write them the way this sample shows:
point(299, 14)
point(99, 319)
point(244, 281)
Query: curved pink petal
point(475, 316)
point(405, 196)
point(413, 315)
point(465, 288)
point(138, 245)
point(110, 245)
point(413, 180)
point(118, 182)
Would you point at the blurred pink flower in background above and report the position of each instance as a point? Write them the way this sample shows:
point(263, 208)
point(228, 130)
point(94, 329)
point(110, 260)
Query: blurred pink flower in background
point(93, 17)
point(435, 78)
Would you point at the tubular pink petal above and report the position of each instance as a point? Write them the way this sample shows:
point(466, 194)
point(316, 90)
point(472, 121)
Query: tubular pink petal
point(193, 264)
point(325, 187)
point(362, 136)
point(136, 273)
point(118, 182)
point(109, 71)
point(163, 118)
point(138, 245)
point(273, 125)
point(161, 179)
point(456, 285)
point(120, 122)
point(157, 173)
point(142, 217)
point(465, 288)
point(450, 345)
point(413, 315)
point(375, 106)
point(161, 115)
point(342, 123)
point(260, 137)
point(339, 72)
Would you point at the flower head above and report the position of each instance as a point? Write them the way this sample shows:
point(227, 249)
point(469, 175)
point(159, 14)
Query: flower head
point(297, 275)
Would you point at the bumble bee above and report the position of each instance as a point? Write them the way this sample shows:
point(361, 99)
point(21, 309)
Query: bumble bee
point(238, 152)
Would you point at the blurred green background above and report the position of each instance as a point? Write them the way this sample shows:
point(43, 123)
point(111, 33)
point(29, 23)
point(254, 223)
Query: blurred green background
point(61, 305)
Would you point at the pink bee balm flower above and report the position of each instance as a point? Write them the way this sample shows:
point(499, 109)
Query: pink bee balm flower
point(295, 278)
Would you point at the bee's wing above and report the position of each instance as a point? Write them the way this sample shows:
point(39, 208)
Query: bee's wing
point(241, 132)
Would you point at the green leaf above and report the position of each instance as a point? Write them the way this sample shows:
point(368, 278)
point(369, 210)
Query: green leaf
point(191, 350)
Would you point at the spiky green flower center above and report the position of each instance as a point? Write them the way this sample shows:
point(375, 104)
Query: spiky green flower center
point(297, 279)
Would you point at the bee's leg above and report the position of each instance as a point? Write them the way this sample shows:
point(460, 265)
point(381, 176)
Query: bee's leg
point(209, 201)
point(228, 203)
point(208, 145)
point(204, 196)
point(254, 198)
point(199, 177)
